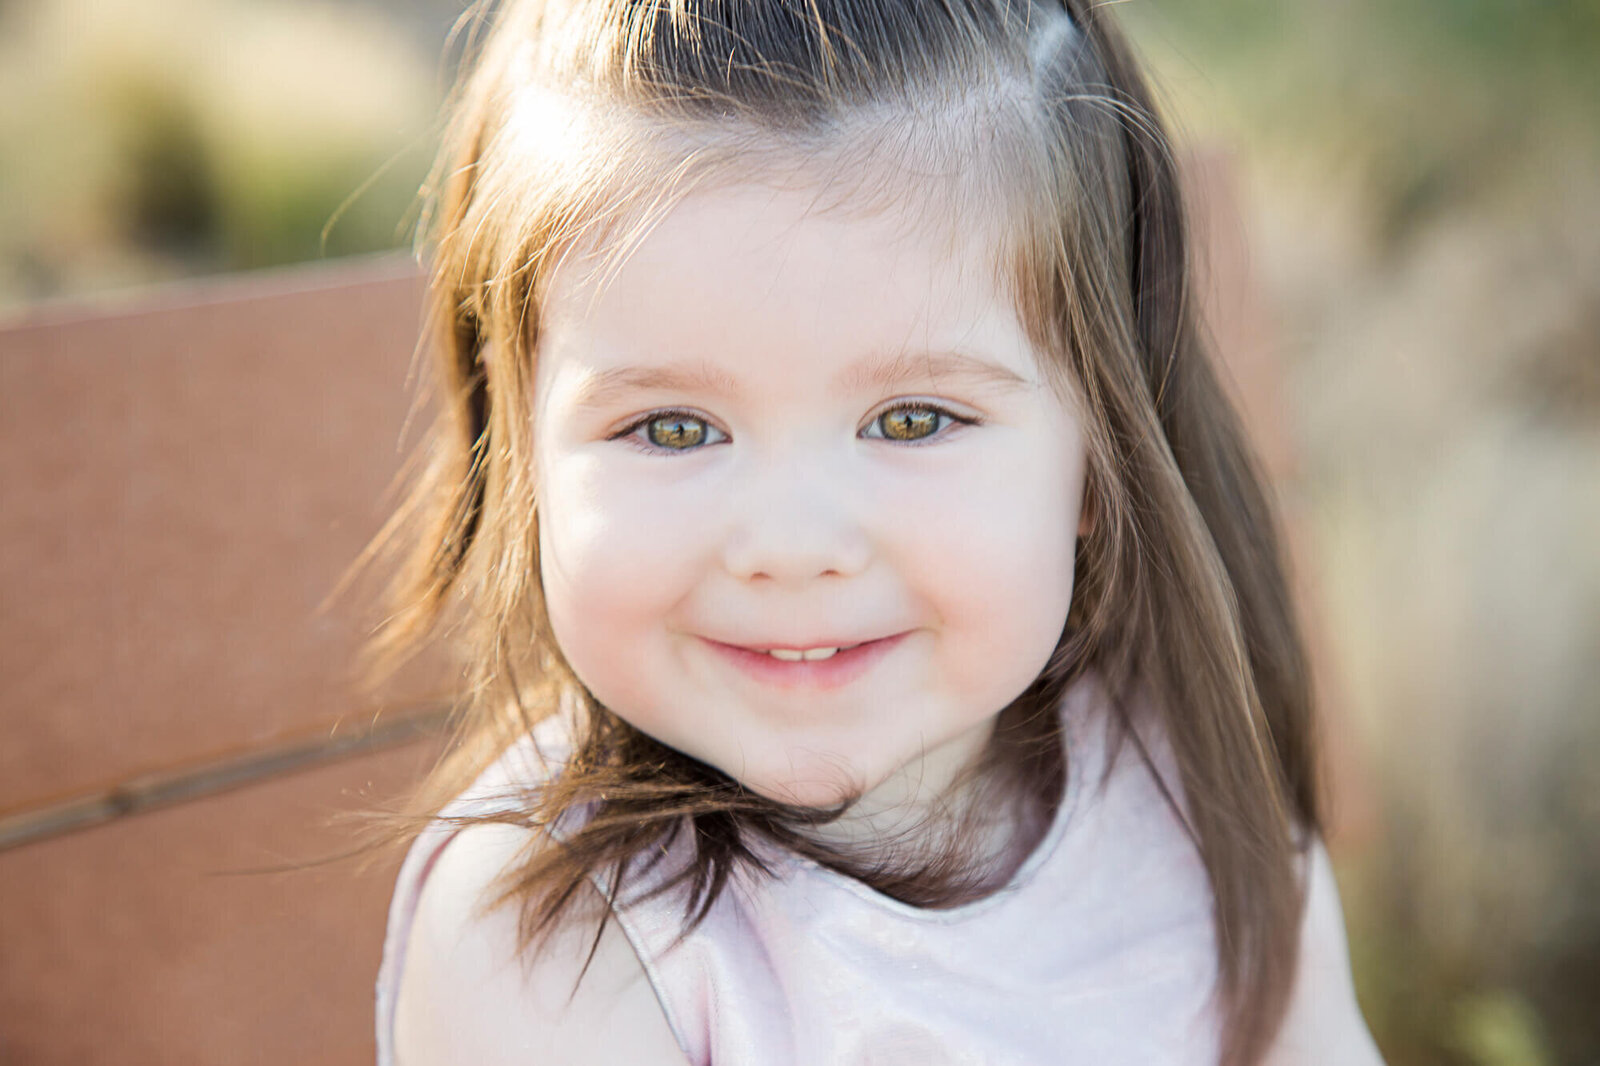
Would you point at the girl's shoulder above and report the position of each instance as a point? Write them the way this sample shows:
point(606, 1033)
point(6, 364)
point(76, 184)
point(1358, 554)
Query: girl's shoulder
point(465, 994)
point(455, 988)
point(1324, 1022)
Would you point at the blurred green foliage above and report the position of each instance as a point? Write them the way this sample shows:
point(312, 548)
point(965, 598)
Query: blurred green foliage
point(1425, 105)
point(1428, 105)
point(142, 141)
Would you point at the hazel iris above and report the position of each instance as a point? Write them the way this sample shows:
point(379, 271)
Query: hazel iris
point(908, 423)
point(676, 431)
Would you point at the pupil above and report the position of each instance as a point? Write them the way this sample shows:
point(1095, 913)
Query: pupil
point(676, 431)
point(909, 424)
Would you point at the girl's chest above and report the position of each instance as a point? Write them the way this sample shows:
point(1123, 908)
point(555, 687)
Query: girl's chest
point(1117, 986)
point(1102, 953)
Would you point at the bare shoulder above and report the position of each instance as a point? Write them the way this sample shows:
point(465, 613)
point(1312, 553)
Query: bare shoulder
point(1324, 1022)
point(466, 997)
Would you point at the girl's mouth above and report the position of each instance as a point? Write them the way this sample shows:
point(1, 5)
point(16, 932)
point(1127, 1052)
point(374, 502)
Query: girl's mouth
point(810, 655)
point(810, 666)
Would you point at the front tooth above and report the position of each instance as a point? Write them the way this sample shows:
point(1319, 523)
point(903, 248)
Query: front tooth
point(786, 654)
point(820, 653)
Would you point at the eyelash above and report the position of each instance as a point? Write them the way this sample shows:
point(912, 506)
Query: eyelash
point(632, 431)
point(950, 417)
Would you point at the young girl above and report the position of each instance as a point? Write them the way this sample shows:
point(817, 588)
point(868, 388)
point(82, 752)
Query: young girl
point(878, 644)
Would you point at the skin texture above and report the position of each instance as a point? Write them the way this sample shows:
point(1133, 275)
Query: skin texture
point(778, 334)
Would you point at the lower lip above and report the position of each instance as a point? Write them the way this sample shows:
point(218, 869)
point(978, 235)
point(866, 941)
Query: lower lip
point(836, 671)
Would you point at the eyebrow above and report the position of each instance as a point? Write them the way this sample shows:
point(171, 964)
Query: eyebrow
point(886, 372)
point(602, 387)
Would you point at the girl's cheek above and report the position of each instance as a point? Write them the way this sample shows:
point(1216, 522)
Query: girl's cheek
point(993, 558)
point(613, 534)
point(612, 568)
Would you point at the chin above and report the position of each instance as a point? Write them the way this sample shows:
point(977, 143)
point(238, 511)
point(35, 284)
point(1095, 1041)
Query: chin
point(821, 791)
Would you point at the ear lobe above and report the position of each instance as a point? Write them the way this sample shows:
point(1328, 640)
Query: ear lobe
point(1086, 512)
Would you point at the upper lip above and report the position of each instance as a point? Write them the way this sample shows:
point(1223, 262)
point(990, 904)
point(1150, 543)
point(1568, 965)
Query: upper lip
point(779, 645)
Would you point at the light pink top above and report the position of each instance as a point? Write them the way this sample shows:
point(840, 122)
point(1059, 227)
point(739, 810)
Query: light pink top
point(1100, 950)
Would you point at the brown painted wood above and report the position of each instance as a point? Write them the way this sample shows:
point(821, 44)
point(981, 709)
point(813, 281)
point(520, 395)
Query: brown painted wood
point(141, 944)
point(196, 782)
point(184, 480)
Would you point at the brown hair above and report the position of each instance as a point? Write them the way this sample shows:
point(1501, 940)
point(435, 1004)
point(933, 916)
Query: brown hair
point(581, 120)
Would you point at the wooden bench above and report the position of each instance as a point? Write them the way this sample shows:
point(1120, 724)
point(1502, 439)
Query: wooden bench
point(185, 478)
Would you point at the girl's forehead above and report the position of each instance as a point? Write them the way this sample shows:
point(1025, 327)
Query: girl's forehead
point(723, 239)
point(799, 222)
point(784, 286)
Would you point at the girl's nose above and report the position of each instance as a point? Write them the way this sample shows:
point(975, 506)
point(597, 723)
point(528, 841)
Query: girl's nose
point(794, 525)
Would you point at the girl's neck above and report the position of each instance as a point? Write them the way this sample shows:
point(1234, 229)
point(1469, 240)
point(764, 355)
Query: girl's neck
point(931, 789)
point(953, 826)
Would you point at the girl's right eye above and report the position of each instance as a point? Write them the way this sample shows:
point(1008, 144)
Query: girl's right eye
point(673, 431)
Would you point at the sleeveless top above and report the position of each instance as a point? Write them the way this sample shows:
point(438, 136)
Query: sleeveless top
point(1098, 951)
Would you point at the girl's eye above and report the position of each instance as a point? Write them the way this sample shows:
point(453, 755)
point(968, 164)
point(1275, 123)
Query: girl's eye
point(674, 431)
point(911, 422)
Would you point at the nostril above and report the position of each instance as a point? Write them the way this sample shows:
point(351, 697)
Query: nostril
point(778, 562)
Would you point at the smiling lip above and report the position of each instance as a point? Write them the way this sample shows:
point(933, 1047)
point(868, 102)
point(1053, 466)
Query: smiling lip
point(842, 667)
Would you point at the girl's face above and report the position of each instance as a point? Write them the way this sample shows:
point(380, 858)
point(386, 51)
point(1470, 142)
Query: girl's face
point(808, 508)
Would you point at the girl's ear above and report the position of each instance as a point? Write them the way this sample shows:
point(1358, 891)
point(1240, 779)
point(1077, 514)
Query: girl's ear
point(1086, 511)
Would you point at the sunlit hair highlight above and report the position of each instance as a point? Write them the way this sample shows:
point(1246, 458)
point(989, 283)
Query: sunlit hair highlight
point(579, 124)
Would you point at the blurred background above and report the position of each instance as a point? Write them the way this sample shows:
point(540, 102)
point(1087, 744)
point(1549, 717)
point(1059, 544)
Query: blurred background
point(1415, 189)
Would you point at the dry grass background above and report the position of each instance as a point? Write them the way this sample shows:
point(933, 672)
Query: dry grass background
point(1422, 189)
point(1423, 195)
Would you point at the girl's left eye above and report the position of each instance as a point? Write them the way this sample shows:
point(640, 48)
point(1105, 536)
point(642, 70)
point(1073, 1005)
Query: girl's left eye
point(912, 422)
point(673, 431)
